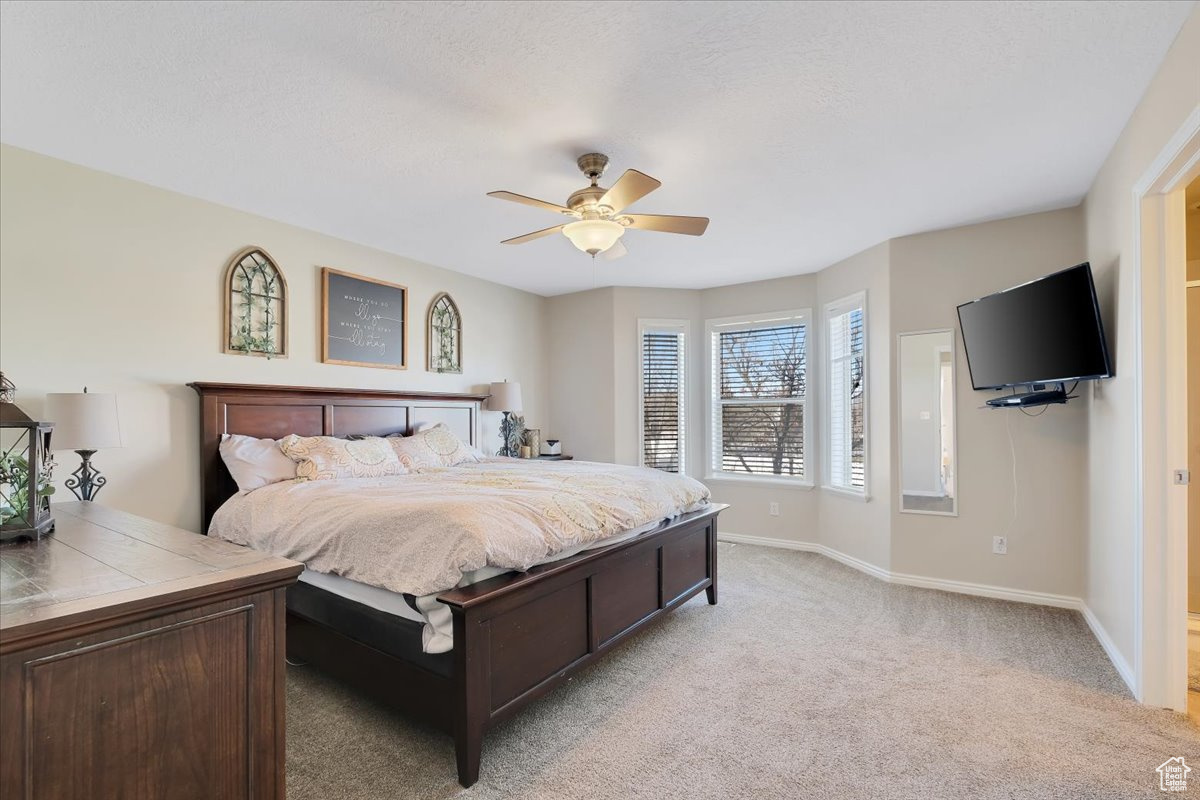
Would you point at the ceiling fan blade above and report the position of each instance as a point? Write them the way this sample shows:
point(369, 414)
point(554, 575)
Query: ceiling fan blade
point(614, 252)
point(529, 237)
point(629, 188)
point(692, 226)
point(530, 201)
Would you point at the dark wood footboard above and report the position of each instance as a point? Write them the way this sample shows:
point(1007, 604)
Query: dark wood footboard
point(516, 637)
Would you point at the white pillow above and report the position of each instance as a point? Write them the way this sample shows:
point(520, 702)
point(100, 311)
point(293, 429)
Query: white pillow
point(255, 463)
point(475, 451)
point(323, 458)
point(435, 446)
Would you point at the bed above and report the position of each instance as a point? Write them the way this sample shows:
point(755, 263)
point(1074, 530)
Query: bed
point(515, 636)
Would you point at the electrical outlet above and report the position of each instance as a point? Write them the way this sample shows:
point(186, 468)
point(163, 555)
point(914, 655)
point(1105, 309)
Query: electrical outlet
point(1000, 545)
point(773, 509)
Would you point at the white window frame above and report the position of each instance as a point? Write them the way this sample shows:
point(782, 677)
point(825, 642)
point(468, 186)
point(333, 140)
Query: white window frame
point(844, 305)
point(682, 327)
point(713, 328)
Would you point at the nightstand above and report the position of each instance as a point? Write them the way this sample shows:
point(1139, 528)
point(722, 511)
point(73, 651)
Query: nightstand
point(556, 458)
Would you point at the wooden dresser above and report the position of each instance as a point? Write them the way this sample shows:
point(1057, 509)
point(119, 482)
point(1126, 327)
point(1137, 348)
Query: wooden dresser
point(140, 661)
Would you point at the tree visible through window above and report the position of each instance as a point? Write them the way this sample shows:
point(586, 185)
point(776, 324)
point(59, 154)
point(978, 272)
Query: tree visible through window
point(760, 399)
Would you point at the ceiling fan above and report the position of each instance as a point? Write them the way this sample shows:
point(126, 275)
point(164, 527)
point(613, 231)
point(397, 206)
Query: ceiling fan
point(599, 223)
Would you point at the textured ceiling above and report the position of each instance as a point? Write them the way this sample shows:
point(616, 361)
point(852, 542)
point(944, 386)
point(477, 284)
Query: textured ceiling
point(806, 131)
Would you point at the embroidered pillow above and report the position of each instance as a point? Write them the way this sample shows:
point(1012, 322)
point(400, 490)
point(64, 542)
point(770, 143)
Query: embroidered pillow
point(435, 446)
point(424, 426)
point(255, 463)
point(323, 458)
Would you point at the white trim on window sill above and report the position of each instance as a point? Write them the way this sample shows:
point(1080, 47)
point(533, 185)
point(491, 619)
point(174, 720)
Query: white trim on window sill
point(850, 494)
point(766, 480)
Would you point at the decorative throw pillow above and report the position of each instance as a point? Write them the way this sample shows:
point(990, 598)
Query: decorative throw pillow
point(323, 458)
point(435, 446)
point(255, 463)
point(424, 426)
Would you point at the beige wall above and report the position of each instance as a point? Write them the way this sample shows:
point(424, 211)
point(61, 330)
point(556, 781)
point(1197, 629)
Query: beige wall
point(580, 374)
point(1041, 515)
point(116, 285)
point(851, 525)
point(913, 283)
point(1113, 416)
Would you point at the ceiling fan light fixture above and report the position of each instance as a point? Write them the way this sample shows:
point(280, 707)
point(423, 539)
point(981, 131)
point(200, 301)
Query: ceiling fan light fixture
point(593, 236)
point(600, 211)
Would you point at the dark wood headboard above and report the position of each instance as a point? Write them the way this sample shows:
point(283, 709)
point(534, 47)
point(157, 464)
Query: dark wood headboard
point(276, 411)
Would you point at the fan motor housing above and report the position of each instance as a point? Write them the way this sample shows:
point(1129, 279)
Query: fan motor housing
point(588, 199)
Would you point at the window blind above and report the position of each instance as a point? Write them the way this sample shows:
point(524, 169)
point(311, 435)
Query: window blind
point(847, 423)
point(662, 400)
point(759, 402)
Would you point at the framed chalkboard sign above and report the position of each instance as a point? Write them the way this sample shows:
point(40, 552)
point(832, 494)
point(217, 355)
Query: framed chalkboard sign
point(363, 321)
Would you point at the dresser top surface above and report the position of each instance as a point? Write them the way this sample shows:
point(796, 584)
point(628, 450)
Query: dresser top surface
point(100, 561)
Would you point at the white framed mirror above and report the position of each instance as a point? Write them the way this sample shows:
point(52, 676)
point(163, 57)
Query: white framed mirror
point(928, 433)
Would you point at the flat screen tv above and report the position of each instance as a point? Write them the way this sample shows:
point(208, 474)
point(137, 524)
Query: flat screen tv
point(1045, 331)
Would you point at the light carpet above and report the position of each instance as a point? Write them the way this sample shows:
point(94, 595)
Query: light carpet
point(809, 680)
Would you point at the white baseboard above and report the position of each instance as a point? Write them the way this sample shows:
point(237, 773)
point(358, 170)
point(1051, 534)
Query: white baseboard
point(766, 541)
point(941, 584)
point(1110, 649)
point(985, 590)
point(958, 587)
point(856, 563)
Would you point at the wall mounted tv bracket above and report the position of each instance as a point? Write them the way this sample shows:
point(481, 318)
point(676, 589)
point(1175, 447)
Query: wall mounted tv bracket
point(1038, 395)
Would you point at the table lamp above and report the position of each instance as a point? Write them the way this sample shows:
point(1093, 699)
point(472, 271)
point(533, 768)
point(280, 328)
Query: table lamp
point(506, 397)
point(84, 423)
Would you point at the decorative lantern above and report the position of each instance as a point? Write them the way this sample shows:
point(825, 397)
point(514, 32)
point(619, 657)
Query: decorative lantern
point(26, 464)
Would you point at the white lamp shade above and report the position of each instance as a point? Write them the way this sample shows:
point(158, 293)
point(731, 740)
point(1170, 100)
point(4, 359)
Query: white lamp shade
point(505, 397)
point(83, 421)
point(593, 236)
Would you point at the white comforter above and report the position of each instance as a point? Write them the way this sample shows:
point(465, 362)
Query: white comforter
point(420, 533)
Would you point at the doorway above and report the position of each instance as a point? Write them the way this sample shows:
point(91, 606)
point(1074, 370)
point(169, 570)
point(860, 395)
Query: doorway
point(1192, 292)
point(1159, 671)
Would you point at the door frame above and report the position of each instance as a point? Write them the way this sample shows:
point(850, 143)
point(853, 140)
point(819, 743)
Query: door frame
point(1160, 656)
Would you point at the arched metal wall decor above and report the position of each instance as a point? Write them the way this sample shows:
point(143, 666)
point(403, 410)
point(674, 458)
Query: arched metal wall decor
point(444, 336)
point(255, 320)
